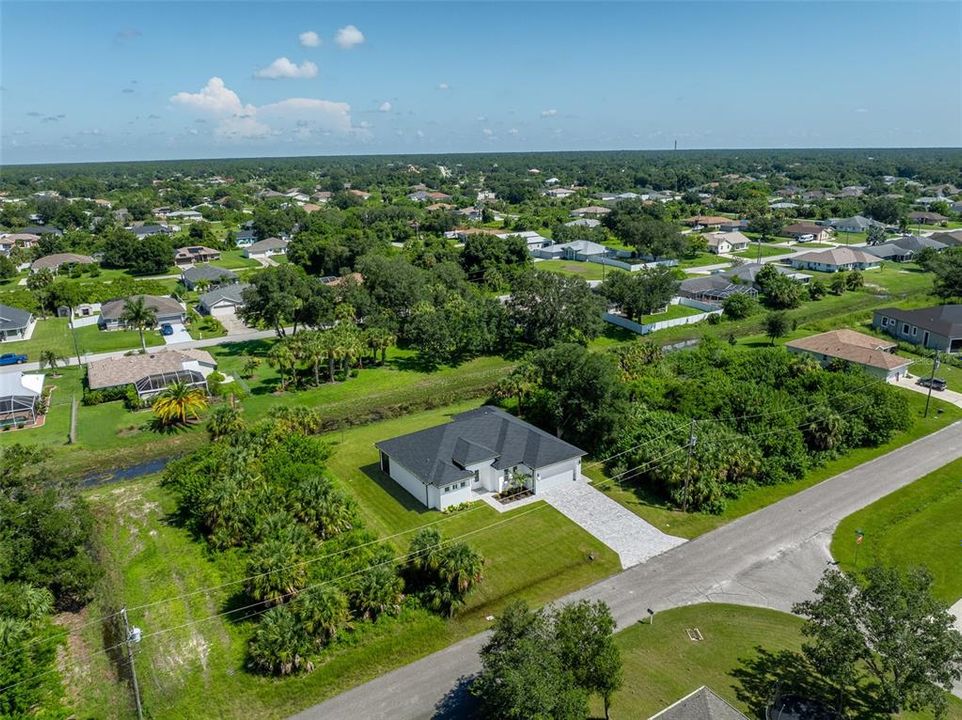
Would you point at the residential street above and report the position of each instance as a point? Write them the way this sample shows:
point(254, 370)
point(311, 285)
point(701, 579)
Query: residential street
point(771, 558)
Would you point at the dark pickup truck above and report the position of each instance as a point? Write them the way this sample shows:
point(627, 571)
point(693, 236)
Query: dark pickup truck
point(12, 359)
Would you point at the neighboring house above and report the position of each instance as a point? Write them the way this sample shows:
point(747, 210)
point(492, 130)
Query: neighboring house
point(726, 242)
point(58, 260)
point(209, 274)
point(462, 234)
point(714, 288)
point(192, 215)
point(40, 230)
point(712, 222)
point(14, 323)
point(167, 310)
point(783, 206)
point(584, 222)
point(854, 224)
point(703, 704)
point(590, 210)
point(266, 248)
point(143, 231)
point(936, 328)
point(471, 214)
point(533, 239)
point(79, 311)
point(749, 271)
point(479, 451)
point(195, 254)
point(560, 193)
point(223, 300)
point(576, 250)
point(152, 373)
point(9, 241)
point(904, 248)
point(20, 395)
point(873, 355)
point(733, 225)
point(926, 218)
point(948, 237)
point(245, 238)
point(835, 260)
point(807, 232)
point(322, 196)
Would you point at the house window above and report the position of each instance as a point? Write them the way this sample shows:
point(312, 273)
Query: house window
point(885, 322)
point(915, 331)
point(905, 328)
point(464, 483)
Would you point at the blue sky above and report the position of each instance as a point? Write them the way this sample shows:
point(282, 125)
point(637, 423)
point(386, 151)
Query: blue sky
point(89, 81)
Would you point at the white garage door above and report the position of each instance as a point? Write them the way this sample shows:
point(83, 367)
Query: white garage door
point(222, 310)
point(546, 482)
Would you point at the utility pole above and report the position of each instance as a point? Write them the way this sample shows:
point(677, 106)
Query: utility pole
point(928, 398)
point(130, 637)
point(691, 450)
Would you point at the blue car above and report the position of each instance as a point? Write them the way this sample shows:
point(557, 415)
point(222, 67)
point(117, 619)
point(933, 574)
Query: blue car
point(166, 329)
point(12, 359)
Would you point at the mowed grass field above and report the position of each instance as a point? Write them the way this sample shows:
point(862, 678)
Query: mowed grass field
point(197, 669)
point(55, 334)
point(917, 525)
point(738, 658)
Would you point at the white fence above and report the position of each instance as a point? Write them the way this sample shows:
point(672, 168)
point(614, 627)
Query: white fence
point(708, 309)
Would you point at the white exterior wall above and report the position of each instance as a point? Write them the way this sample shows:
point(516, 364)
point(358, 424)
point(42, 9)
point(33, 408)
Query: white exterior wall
point(490, 478)
point(554, 475)
point(456, 496)
point(203, 368)
point(410, 482)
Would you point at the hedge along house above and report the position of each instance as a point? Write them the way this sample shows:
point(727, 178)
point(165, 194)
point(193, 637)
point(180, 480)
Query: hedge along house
point(485, 450)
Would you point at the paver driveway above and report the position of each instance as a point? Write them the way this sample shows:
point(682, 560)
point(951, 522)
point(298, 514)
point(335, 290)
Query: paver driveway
point(620, 529)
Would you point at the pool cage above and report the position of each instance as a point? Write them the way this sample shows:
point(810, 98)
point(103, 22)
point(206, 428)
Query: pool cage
point(18, 409)
point(151, 385)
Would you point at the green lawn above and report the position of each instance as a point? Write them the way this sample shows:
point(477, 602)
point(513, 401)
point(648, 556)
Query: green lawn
point(917, 525)
point(235, 260)
point(584, 270)
point(54, 334)
point(654, 509)
point(738, 659)
point(673, 312)
point(533, 552)
point(764, 251)
point(700, 260)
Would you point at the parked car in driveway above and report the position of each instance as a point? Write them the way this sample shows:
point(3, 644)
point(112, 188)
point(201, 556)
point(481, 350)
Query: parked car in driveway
point(166, 329)
point(934, 383)
point(12, 359)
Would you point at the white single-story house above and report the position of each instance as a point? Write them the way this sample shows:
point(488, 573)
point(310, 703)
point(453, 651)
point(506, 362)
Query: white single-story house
point(20, 395)
point(58, 260)
point(152, 373)
point(223, 300)
point(485, 450)
point(167, 310)
point(266, 248)
point(245, 238)
point(581, 250)
point(875, 356)
point(837, 259)
point(532, 238)
point(727, 242)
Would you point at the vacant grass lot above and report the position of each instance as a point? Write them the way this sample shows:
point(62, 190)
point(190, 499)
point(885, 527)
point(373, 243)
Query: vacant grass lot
point(762, 250)
point(584, 270)
point(917, 525)
point(739, 649)
point(648, 505)
point(197, 671)
point(235, 260)
point(54, 334)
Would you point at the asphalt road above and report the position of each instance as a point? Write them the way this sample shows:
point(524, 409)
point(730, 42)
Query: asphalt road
point(771, 558)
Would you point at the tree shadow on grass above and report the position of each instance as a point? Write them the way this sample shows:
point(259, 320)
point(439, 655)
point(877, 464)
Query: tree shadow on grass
point(458, 702)
point(402, 496)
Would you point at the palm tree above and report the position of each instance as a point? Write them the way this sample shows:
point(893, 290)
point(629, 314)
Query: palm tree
point(179, 403)
point(313, 350)
point(322, 611)
point(379, 340)
point(461, 567)
point(517, 385)
point(49, 358)
point(282, 357)
point(250, 365)
point(278, 645)
point(139, 315)
point(376, 592)
point(225, 420)
point(425, 551)
point(276, 571)
point(334, 347)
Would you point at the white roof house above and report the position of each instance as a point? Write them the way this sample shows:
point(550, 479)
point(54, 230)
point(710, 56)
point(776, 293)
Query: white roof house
point(20, 394)
point(532, 238)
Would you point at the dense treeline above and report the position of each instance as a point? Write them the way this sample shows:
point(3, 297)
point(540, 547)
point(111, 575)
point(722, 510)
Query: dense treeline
point(312, 571)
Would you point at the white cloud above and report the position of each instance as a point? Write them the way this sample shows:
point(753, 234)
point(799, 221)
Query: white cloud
point(214, 97)
point(348, 37)
point(549, 113)
point(487, 132)
point(443, 86)
point(309, 39)
point(284, 68)
point(420, 133)
point(365, 125)
point(385, 106)
point(239, 121)
point(513, 131)
point(861, 110)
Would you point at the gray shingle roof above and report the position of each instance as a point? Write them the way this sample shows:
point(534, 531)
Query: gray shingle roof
point(196, 273)
point(945, 320)
point(702, 704)
point(164, 306)
point(12, 318)
point(233, 293)
point(438, 455)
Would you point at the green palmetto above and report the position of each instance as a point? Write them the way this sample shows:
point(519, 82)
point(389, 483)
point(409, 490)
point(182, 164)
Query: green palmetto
point(276, 570)
point(139, 315)
point(323, 611)
point(179, 404)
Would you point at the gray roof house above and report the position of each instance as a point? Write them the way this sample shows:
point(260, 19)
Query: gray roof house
point(949, 237)
point(223, 300)
point(703, 704)
point(211, 274)
point(714, 288)
point(266, 248)
point(245, 237)
point(854, 224)
point(57, 260)
point(167, 309)
point(485, 450)
point(936, 328)
point(14, 322)
point(575, 250)
point(904, 248)
point(143, 231)
point(835, 260)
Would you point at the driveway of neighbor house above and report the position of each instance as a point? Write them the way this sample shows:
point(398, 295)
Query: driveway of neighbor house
point(911, 383)
point(179, 335)
point(632, 538)
point(233, 324)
